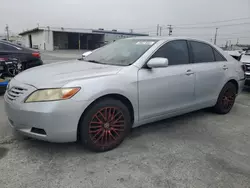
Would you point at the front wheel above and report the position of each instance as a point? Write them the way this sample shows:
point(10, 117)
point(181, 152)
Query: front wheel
point(226, 99)
point(105, 125)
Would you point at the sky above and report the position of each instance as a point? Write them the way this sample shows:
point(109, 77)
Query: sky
point(194, 18)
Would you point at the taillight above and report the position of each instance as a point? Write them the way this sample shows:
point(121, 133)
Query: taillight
point(36, 54)
point(3, 59)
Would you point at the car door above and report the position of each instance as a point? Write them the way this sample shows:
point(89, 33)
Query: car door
point(210, 68)
point(168, 89)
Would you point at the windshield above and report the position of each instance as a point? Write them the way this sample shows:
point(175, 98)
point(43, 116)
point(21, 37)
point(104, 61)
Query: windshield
point(122, 52)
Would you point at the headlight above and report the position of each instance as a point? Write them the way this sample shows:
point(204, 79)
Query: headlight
point(8, 86)
point(52, 94)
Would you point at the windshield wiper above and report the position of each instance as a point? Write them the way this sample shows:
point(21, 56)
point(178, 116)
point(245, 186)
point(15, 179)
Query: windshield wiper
point(94, 61)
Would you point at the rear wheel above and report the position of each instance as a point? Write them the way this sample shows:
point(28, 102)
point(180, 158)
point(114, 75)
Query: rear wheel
point(226, 99)
point(105, 125)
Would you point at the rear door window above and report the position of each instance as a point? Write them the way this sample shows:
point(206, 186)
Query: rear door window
point(7, 47)
point(1, 46)
point(202, 52)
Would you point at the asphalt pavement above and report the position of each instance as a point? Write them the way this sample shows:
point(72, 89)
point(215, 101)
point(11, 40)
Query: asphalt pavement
point(196, 150)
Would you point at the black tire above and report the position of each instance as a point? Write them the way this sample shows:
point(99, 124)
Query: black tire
point(105, 125)
point(226, 99)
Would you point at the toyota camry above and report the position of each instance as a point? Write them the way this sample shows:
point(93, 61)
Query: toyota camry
point(128, 83)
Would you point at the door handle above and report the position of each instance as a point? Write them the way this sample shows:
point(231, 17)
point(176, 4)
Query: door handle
point(189, 72)
point(225, 67)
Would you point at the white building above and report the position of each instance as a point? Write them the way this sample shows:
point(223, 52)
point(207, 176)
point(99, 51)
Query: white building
point(48, 38)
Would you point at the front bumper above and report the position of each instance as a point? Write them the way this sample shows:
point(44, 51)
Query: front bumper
point(58, 119)
point(33, 63)
point(247, 75)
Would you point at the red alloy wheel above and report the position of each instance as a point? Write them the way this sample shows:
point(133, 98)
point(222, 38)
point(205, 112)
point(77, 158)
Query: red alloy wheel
point(228, 99)
point(107, 126)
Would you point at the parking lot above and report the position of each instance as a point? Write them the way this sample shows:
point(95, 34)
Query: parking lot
point(200, 149)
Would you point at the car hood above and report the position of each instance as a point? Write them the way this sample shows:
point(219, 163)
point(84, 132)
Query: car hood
point(245, 59)
point(58, 74)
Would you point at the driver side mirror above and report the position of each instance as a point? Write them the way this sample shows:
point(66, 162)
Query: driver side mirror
point(157, 62)
point(86, 54)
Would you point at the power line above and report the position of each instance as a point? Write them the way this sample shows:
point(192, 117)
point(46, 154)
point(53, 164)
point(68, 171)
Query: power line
point(243, 32)
point(213, 26)
point(203, 23)
point(209, 36)
point(144, 28)
point(178, 25)
point(233, 37)
point(152, 31)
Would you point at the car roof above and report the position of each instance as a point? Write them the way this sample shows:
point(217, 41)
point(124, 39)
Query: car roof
point(167, 38)
point(10, 43)
point(17, 46)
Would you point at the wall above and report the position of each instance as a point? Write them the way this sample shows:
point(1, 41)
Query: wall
point(37, 40)
point(25, 41)
point(48, 40)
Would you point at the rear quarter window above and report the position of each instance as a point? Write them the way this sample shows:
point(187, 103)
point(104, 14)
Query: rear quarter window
point(218, 56)
point(7, 47)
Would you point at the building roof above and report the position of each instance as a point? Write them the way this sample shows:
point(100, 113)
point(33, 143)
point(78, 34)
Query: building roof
point(30, 31)
point(119, 32)
point(80, 30)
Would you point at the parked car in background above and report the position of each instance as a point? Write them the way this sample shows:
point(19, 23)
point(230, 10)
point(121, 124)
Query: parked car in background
point(236, 54)
point(3, 84)
point(14, 59)
point(245, 58)
point(120, 86)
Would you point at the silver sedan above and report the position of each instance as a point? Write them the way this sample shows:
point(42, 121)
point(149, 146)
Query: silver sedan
point(122, 85)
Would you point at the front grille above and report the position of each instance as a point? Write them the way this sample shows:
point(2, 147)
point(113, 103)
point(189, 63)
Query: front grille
point(15, 92)
point(247, 67)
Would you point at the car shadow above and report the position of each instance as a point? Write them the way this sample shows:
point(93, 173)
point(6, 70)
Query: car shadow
point(175, 125)
point(246, 89)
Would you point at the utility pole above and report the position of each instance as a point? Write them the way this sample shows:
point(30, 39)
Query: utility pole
point(170, 30)
point(160, 28)
point(157, 29)
point(131, 31)
point(237, 41)
point(230, 45)
point(79, 41)
point(215, 36)
point(7, 32)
